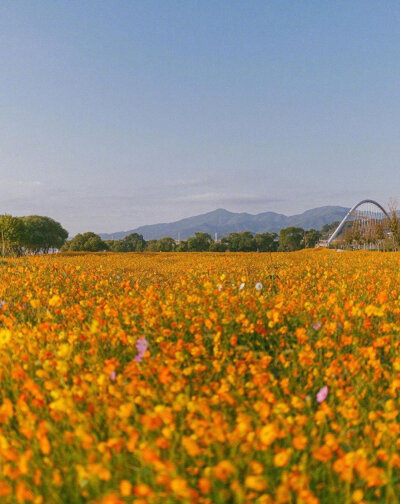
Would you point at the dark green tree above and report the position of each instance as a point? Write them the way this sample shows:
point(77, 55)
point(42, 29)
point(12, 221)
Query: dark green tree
point(266, 242)
point(200, 242)
point(218, 247)
point(166, 244)
point(86, 242)
point(11, 235)
point(152, 246)
point(42, 234)
point(290, 239)
point(134, 242)
point(311, 238)
point(114, 245)
point(240, 242)
point(182, 246)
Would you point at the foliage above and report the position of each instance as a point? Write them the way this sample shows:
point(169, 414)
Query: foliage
point(291, 238)
point(165, 244)
point(86, 242)
point(32, 234)
point(42, 234)
point(200, 242)
point(311, 238)
point(11, 235)
point(266, 242)
point(240, 242)
point(328, 229)
point(394, 225)
point(133, 242)
point(183, 246)
point(218, 246)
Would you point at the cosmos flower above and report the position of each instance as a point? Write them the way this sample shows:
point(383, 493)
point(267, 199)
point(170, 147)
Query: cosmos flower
point(141, 346)
point(322, 394)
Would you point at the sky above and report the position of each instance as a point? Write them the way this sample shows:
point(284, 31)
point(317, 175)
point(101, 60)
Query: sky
point(117, 114)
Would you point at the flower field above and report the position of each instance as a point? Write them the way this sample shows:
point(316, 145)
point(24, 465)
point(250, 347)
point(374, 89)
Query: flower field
point(200, 378)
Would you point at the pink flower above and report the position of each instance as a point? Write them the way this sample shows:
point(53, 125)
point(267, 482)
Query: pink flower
point(113, 375)
point(322, 394)
point(317, 326)
point(141, 346)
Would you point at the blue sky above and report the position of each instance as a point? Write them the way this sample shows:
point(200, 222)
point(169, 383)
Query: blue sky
point(115, 114)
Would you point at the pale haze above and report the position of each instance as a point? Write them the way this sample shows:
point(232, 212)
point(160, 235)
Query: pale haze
point(116, 114)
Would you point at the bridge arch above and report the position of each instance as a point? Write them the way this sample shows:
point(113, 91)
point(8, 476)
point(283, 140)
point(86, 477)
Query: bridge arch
point(351, 212)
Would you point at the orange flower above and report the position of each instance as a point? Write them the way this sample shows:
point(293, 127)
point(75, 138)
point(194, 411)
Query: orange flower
point(112, 499)
point(5, 489)
point(191, 446)
point(300, 442)
point(6, 411)
point(125, 487)
point(223, 470)
point(256, 483)
point(281, 459)
point(269, 434)
point(323, 453)
point(204, 485)
point(142, 490)
point(180, 487)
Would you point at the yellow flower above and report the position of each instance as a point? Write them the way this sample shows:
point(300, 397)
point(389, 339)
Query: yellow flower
point(256, 483)
point(125, 487)
point(55, 300)
point(357, 495)
point(281, 459)
point(5, 336)
point(180, 487)
point(268, 434)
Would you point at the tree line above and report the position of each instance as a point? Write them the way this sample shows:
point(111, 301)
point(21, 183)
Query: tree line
point(36, 234)
point(33, 234)
point(289, 239)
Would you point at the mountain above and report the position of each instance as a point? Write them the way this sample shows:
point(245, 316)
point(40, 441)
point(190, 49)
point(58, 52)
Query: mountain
point(223, 222)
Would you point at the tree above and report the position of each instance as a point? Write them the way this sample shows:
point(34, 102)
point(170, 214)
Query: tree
point(218, 247)
point(240, 242)
point(11, 235)
point(246, 242)
point(182, 246)
point(328, 229)
point(114, 245)
point(200, 242)
point(266, 242)
point(86, 242)
point(291, 238)
point(134, 242)
point(130, 243)
point(42, 234)
point(166, 244)
point(394, 224)
point(311, 238)
point(151, 246)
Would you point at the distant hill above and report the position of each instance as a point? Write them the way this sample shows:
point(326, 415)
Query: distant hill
point(223, 222)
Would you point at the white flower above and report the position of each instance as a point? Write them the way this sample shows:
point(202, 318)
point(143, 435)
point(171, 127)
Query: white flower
point(242, 286)
point(219, 288)
point(259, 286)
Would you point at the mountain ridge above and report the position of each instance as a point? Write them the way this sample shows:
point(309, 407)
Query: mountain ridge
point(223, 222)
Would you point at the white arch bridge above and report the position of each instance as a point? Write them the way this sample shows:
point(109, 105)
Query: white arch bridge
point(367, 216)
